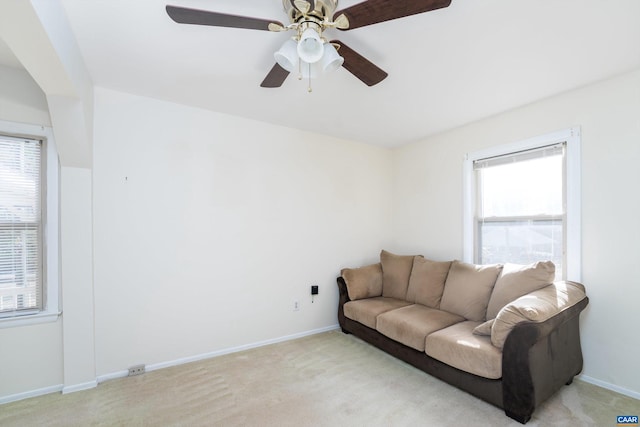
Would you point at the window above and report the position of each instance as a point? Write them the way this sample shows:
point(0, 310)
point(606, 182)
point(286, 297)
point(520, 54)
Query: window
point(28, 225)
point(20, 225)
point(522, 203)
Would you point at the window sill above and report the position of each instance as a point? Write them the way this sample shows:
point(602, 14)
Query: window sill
point(29, 319)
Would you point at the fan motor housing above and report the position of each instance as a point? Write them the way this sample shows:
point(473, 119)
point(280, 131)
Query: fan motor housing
point(322, 11)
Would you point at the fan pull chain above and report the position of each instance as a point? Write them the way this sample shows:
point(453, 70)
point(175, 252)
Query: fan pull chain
point(309, 89)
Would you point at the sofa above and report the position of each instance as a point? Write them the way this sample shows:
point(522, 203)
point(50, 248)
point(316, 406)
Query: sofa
point(507, 334)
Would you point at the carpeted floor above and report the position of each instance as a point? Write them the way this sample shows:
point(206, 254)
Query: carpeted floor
point(329, 379)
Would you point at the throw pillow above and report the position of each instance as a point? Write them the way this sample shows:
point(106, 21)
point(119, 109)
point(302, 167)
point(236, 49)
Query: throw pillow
point(468, 289)
point(363, 282)
point(518, 280)
point(396, 270)
point(484, 328)
point(426, 282)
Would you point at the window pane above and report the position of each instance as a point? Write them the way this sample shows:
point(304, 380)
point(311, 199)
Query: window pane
point(521, 242)
point(526, 188)
point(20, 224)
point(19, 267)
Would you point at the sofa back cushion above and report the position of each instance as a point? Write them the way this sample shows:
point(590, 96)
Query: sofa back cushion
point(426, 282)
point(468, 288)
point(363, 282)
point(517, 280)
point(396, 270)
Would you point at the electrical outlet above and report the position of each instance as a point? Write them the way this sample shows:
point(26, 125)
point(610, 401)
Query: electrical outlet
point(296, 305)
point(136, 370)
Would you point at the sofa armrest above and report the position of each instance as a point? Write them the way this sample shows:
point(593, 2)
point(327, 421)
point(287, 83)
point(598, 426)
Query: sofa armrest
point(536, 307)
point(541, 353)
point(363, 282)
point(343, 299)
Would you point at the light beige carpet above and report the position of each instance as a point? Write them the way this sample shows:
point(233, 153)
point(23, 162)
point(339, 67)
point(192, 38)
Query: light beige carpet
point(329, 379)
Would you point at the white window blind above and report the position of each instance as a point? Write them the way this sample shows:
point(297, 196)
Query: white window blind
point(521, 207)
point(21, 287)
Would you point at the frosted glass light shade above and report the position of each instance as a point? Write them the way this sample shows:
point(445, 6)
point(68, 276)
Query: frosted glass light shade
point(310, 47)
point(287, 55)
point(331, 60)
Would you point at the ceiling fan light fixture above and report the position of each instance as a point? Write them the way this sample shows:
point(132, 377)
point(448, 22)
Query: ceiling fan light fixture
point(310, 46)
point(309, 19)
point(331, 60)
point(287, 55)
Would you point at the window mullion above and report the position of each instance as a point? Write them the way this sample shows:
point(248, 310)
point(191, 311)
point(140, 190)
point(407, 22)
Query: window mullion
point(522, 218)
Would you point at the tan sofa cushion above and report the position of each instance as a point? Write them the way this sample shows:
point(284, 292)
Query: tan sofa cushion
point(363, 282)
point(396, 270)
point(517, 280)
point(536, 306)
point(468, 288)
point(426, 282)
point(457, 346)
point(410, 325)
point(367, 310)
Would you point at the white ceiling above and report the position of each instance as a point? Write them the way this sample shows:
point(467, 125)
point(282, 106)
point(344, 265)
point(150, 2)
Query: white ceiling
point(446, 68)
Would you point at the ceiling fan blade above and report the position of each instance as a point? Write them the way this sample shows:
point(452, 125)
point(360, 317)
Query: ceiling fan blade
point(184, 15)
point(276, 77)
point(360, 66)
point(374, 11)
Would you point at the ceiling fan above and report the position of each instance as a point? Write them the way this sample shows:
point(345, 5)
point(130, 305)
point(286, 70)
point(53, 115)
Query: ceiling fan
point(308, 50)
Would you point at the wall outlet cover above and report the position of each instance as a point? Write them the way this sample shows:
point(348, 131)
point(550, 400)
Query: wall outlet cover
point(136, 370)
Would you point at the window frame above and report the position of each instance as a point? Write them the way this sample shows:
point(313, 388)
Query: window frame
point(50, 226)
point(573, 248)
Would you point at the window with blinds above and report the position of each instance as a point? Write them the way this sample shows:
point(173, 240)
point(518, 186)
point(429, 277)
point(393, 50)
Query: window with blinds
point(21, 254)
point(520, 212)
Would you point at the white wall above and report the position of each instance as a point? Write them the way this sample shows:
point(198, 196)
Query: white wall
point(30, 360)
point(428, 207)
point(21, 99)
point(207, 227)
point(77, 274)
point(23, 368)
point(56, 92)
point(39, 35)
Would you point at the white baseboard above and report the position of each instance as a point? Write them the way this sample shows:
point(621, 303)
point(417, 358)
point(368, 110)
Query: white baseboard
point(120, 374)
point(32, 393)
point(609, 386)
point(189, 359)
point(230, 350)
point(112, 376)
point(79, 387)
point(161, 365)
